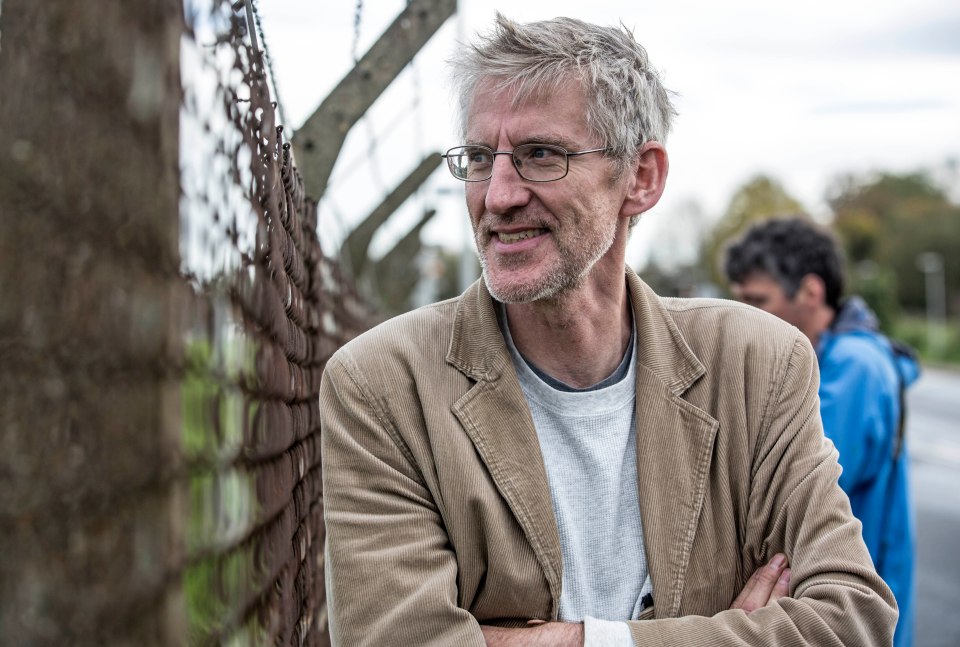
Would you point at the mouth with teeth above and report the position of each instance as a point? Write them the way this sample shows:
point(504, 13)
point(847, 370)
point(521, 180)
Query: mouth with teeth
point(517, 236)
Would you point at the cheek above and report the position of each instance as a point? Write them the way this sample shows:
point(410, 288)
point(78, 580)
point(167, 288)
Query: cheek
point(475, 197)
point(783, 309)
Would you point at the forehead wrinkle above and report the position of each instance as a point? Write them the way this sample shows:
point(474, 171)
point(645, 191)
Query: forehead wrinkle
point(532, 91)
point(530, 128)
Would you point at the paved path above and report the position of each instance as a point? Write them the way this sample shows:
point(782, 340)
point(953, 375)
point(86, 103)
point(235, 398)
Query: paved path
point(933, 432)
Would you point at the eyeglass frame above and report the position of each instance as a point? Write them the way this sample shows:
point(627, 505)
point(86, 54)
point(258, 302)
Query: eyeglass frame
point(567, 156)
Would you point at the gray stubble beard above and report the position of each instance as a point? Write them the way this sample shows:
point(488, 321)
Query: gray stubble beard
point(557, 282)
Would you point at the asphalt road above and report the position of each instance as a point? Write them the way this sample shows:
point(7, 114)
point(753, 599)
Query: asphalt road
point(933, 433)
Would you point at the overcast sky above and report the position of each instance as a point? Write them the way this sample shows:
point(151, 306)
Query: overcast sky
point(800, 91)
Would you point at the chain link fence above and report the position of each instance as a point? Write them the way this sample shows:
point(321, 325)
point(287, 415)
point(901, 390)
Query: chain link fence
point(266, 310)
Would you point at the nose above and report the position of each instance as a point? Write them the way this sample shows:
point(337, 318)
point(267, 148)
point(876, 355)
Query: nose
point(506, 190)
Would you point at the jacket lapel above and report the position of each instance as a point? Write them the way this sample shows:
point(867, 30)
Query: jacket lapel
point(674, 446)
point(495, 415)
point(674, 438)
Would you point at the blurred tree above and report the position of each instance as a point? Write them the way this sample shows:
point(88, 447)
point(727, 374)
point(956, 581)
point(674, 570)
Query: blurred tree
point(679, 236)
point(448, 279)
point(673, 267)
point(398, 272)
point(889, 220)
point(878, 287)
point(675, 280)
point(760, 198)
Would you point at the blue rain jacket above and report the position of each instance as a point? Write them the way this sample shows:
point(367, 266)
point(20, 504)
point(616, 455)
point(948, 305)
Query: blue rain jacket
point(860, 379)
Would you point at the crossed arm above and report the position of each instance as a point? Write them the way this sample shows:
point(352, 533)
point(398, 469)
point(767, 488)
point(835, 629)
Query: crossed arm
point(768, 584)
point(393, 573)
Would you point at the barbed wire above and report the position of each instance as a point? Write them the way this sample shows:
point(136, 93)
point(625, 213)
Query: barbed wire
point(262, 55)
point(372, 141)
point(357, 161)
point(418, 128)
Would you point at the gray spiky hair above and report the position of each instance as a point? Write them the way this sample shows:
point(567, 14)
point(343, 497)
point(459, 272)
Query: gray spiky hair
point(627, 104)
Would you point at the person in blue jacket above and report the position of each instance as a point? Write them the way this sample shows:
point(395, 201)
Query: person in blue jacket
point(793, 269)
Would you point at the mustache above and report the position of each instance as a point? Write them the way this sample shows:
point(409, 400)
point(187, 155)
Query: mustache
point(489, 221)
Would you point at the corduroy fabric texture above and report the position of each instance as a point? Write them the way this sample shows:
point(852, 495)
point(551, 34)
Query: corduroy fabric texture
point(438, 510)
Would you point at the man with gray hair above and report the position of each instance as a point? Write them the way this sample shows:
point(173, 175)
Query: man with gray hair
point(559, 456)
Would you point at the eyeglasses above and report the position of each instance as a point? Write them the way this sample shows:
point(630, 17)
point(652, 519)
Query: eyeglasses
point(534, 162)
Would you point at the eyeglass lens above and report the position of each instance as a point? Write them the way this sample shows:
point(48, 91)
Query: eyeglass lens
point(535, 162)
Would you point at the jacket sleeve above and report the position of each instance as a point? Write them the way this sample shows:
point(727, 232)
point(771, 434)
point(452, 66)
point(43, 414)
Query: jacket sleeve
point(796, 507)
point(390, 571)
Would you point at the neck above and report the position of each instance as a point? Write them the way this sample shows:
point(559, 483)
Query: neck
point(819, 322)
point(579, 337)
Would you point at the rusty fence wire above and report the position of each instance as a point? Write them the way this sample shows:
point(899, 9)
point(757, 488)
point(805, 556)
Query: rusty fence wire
point(265, 310)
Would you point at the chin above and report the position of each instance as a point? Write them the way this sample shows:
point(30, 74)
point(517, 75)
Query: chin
point(523, 292)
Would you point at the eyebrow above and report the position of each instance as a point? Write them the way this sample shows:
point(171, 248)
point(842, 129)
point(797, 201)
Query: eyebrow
point(549, 138)
point(553, 140)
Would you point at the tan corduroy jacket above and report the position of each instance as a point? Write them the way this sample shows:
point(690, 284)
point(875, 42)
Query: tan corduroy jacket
point(438, 511)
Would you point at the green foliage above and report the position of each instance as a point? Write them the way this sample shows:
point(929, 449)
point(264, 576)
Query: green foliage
point(878, 287)
point(222, 574)
point(861, 234)
point(890, 220)
point(945, 348)
point(217, 590)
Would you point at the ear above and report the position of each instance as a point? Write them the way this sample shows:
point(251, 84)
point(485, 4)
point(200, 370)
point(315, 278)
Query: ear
point(647, 178)
point(812, 291)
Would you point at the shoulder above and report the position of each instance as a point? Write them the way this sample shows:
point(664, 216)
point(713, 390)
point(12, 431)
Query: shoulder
point(859, 356)
point(720, 309)
point(726, 327)
point(760, 375)
point(749, 357)
point(400, 343)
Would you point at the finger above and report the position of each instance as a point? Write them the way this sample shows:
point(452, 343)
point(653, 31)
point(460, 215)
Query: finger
point(765, 580)
point(747, 590)
point(782, 588)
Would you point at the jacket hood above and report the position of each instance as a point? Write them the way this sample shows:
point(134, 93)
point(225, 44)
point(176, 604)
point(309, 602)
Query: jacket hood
point(855, 315)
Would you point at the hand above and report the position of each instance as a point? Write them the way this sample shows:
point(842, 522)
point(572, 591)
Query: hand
point(768, 584)
point(537, 634)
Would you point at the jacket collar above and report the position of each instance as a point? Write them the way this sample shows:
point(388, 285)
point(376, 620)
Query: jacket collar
point(674, 438)
point(477, 347)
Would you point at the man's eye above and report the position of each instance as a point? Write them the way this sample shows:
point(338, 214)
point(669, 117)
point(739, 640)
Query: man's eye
point(538, 154)
point(541, 153)
point(478, 157)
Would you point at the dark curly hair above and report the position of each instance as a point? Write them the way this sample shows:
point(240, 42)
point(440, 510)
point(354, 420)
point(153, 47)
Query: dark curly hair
point(788, 249)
